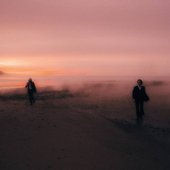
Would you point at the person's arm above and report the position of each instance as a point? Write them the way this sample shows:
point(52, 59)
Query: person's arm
point(144, 90)
point(133, 93)
point(145, 96)
point(35, 88)
point(26, 86)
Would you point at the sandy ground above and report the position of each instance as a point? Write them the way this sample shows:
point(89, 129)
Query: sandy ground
point(77, 133)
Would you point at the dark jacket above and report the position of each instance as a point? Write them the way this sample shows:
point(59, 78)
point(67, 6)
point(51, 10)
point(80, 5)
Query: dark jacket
point(139, 95)
point(31, 87)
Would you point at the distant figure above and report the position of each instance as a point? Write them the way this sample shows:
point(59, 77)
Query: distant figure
point(31, 89)
point(139, 95)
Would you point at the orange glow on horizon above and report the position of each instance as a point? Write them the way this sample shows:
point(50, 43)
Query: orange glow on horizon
point(86, 65)
point(10, 68)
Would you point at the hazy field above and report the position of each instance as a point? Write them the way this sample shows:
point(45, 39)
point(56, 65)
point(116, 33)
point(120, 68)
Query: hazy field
point(85, 127)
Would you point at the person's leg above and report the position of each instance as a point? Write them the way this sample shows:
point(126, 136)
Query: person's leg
point(142, 108)
point(141, 111)
point(137, 110)
point(33, 98)
point(30, 97)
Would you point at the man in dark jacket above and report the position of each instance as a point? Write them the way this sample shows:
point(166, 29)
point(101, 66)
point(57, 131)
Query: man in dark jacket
point(139, 95)
point(31, 89)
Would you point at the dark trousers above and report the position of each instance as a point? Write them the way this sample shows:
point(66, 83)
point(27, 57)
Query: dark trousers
point(139, 109)
point(31, 97)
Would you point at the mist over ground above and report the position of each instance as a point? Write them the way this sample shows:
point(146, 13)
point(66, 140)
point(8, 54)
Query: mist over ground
point(110, 98)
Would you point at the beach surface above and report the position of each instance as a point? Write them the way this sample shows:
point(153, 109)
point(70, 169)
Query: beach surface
point(80, 130)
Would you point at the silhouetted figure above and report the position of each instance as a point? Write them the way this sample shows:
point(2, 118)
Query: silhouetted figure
point(31, 89)
point(139, 95)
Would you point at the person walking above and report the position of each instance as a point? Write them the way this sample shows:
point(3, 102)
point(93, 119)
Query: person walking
point(139, 95)
point(31, 90)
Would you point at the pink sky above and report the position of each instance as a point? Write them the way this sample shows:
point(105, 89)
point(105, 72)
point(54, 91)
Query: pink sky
point(85, 37)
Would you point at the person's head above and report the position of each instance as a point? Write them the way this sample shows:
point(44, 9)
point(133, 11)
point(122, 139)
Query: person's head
point(30, 80)
point(139, 82)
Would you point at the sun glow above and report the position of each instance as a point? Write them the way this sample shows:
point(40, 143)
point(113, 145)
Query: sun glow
point(9, 63)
